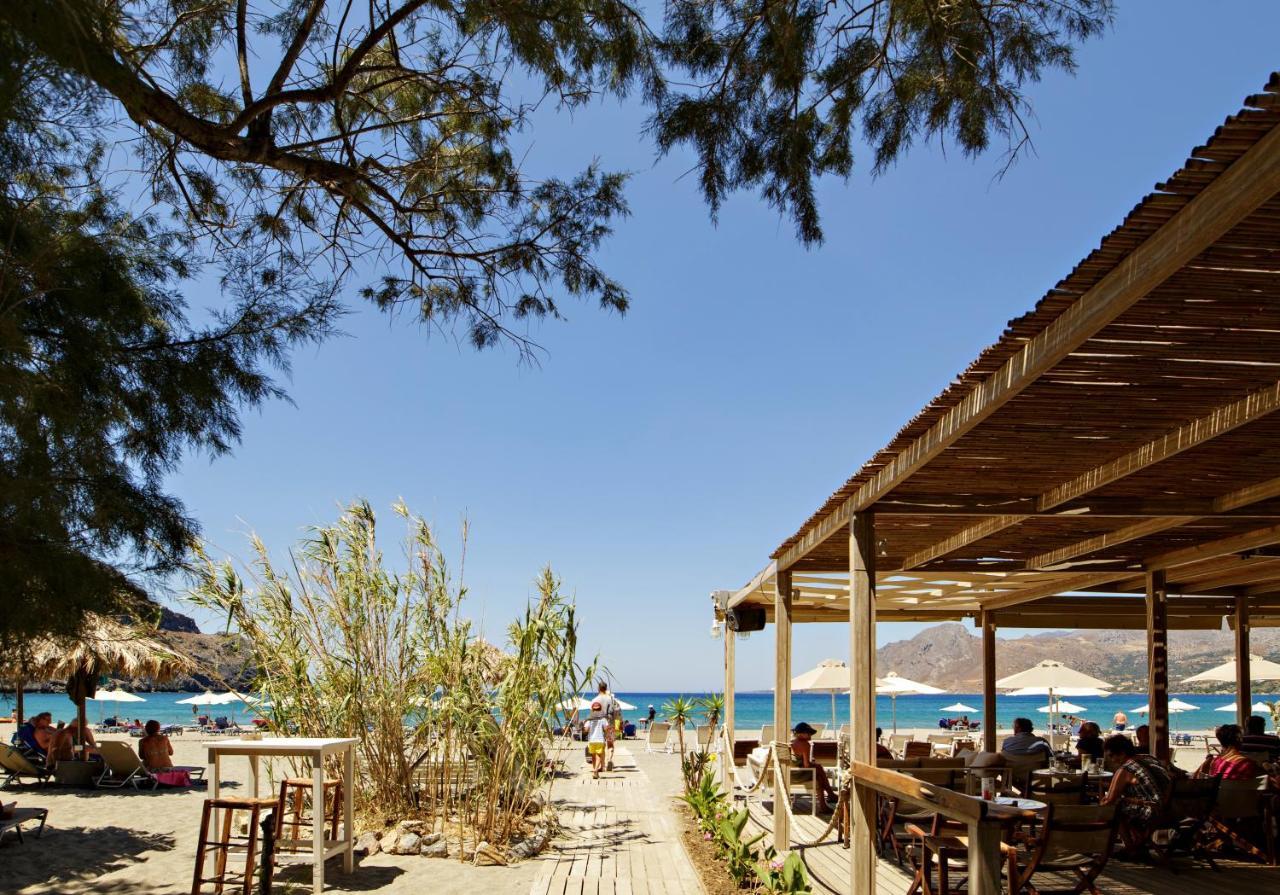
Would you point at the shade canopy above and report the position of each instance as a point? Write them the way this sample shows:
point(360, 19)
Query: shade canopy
point(894, 684)
point(583, 704)
point(1256, 707)
point(1175, 706)
point(103, 645)
point(1259, 670)
point(115, 696)
point(830, 675)
point(208, 697)
point(1061, 705)
point(1061, 691)
point(1050, 675)
point(957, 707)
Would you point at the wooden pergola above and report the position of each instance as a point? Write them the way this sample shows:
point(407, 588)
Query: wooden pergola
point(1112, 461)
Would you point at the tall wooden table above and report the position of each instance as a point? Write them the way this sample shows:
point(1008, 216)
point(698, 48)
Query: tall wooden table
point(317, 750)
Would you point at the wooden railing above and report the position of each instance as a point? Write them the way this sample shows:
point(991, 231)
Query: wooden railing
point(984, 831)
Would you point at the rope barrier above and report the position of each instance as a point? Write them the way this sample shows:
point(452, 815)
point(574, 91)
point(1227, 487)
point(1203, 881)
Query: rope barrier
point(782, 790)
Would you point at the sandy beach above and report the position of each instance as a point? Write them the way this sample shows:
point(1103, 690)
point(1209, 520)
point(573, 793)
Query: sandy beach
point(129, 842)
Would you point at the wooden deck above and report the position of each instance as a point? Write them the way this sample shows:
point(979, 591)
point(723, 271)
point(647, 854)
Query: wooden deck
point(617, 836)
point(828, 866)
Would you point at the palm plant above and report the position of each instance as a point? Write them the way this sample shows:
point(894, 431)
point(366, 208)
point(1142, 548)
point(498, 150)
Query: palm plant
point(679, 711)
point(712, 706)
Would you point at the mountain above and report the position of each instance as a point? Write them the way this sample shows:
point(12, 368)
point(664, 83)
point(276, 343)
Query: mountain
point(950, 655)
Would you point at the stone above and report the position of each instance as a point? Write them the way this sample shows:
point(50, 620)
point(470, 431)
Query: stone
point(389, 840)
point(410, 826)
point(407, 844)
point(432, 838)
point(436, 849)
point(488, 856)
point(367, 844)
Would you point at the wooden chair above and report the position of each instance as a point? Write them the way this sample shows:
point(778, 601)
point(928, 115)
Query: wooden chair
point(1244, 817)
point(1019, 768)
point(1181, 828)
point(1075, 839)
point(229, 841)
point(917, 749)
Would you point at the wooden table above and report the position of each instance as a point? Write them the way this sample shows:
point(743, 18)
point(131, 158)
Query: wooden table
point(317, 750)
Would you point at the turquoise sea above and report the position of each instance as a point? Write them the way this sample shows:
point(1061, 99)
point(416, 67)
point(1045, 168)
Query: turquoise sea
point(753, 709)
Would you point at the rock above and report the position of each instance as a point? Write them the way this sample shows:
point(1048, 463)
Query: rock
point(432, 838)
point(410, 826)
point(532, 844)
point(437, 849)
point(407, 844)
point(367, 844)
point(389, 840)
point(488, 856)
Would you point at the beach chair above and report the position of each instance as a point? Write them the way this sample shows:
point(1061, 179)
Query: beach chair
point(657, 739)
point(14, 766)
point(941, 743)
point(703, 735)
point(766, 734)
point(121, 766)
point(917, 749)
point(21, 816)
point(898, 742)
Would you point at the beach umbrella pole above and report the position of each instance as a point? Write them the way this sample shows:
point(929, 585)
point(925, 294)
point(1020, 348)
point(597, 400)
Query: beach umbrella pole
point(893, 701)
point(833, 711)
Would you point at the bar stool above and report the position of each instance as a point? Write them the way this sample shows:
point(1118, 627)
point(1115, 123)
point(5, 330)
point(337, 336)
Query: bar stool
point(227, 842)
point(293, 790)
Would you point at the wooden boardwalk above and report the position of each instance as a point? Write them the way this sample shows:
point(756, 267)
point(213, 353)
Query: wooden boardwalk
point(828, 866)
point(618, 836)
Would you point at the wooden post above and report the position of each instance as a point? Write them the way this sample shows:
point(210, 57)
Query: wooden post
point(984, 858)
point(730, 673)
point(17, 705)
point(987, 620)
point(1244, 686)
point(862, 695)
point(782, 709)
point(1158, 663)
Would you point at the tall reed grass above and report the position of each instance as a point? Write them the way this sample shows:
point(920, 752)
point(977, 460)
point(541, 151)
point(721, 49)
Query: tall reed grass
point(449, 728)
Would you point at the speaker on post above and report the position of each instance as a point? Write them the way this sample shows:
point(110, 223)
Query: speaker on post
point(745, 618)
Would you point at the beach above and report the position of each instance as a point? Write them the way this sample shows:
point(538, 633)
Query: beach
point(130, 842)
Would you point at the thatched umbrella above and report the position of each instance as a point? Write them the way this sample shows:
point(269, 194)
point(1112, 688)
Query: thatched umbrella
point(102, 645)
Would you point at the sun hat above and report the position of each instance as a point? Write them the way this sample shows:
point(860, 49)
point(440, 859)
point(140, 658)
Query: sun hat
point(802, 727)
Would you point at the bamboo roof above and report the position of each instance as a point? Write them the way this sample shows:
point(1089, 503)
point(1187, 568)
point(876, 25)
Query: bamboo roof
point(103, 645)
point(1126, 423)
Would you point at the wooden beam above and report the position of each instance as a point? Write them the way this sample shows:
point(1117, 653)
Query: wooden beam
point(1158, 663)
point(1145, 528)
point(1052, 587)
point(1212, 425)
point(862, 695)
point(1090, 507)
point(782, 707)
point(1260, 537)
point(1244, 686)
point(1232, 196)
point(988, 623)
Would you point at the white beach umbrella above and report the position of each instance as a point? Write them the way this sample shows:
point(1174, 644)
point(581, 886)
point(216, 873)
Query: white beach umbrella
point(1065, 692)
point(894, 685)
point(829, 676)
point(113, 696)
point(1050, 678)
point(1176, 706)
point(208, 697)
point(1256, 707)
point(1259, 670)
point(957, 707)
point(1061, 705)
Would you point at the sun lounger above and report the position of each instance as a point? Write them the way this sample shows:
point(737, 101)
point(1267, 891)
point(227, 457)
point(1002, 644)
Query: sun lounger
point(124, 767)
point(703, 733)
point(14, 766)
point(659, 732)
point(19, 817)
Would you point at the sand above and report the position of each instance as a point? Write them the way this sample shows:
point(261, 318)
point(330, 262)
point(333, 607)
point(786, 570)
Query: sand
point(129, 842)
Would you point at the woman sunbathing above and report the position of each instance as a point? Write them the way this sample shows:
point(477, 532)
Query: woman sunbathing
point(155, 748)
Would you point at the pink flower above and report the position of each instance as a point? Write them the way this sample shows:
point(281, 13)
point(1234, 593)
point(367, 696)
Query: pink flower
point(776, 864)
point(706, 837)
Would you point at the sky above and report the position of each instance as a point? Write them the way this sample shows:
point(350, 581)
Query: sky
point(654, 458)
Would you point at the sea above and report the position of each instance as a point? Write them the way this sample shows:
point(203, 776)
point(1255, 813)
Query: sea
point(754, 709)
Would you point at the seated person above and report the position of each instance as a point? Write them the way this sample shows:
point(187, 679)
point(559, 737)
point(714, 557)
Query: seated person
point(882, 751)
point(154, 748)
point(1230, 763)
point(1142, 733)
point(1256, 736)
point(802, 754)
point(65, 739)
point(35, 736)
point(1140, 787)
point(1024, 742)
point(1090, 743)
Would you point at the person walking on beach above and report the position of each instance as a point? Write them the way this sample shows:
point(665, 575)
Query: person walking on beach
point(1121, 720)
point(596, 725)
point(613, 718)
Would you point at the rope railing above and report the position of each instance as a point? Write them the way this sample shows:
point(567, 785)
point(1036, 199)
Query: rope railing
point(781, 790)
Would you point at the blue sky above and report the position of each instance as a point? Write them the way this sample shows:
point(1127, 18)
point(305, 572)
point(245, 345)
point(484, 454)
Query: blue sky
point(654, 458)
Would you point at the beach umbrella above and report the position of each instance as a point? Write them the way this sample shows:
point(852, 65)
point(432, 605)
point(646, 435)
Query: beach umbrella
point(958, 707)
point(1061, 705)
point(1176, 707)
point(114, 696)
point(1259, 670)
point(894, 685)
point(1255, 708)
point(830, 676)
point(1050, 678)
point(1064, 692)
